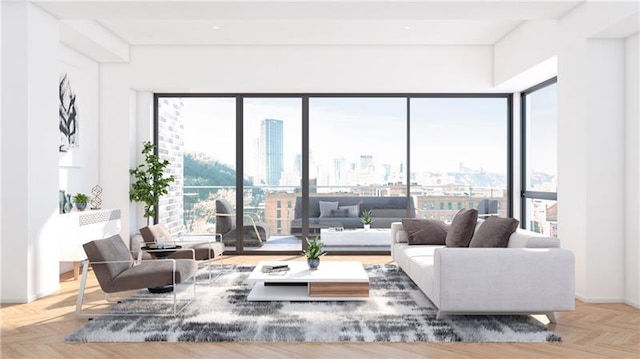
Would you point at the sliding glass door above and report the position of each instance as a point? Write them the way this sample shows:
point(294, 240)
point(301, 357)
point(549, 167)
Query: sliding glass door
point(357, 152)
point(272, 137)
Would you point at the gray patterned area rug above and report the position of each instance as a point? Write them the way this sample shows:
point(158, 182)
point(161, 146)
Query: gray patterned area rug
point(397, 311)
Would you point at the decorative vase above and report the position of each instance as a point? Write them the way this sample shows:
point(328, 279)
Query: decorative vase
point(367, 227)
point(68, 206)
point(62, 199)
point(81, 206)
point(313, 263)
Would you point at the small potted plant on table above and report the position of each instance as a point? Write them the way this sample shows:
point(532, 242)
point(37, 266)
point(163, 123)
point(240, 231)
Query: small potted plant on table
point(366, 219)
point(81, 200)
point(314, 252)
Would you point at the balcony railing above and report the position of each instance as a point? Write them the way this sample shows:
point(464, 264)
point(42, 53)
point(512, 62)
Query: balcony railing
point(274, 204)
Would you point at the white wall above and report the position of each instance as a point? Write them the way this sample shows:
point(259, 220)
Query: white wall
point(591, 153)
point(268, 69)
point(632, 163)
point(82, 174)
point(523, 49)
point(83, 76)
point(29, 152)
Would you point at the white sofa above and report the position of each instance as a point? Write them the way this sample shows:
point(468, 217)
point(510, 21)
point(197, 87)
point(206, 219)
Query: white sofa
point(533, 275)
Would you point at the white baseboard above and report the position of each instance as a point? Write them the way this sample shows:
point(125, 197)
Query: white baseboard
point(585, 299)
point(29, 299)
point(632, 303)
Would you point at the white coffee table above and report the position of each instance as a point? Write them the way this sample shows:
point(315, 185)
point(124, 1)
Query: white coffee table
point(343, 281)
point(356, 237)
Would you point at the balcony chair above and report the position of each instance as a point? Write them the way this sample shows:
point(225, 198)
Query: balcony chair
point(116, 271)
point(253, 230)
point(205, 247)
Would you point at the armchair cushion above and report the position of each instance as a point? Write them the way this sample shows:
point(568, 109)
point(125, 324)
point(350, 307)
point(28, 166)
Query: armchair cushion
point(154, 273)
point(224, 223)
point(110, 249)
point(150, 233)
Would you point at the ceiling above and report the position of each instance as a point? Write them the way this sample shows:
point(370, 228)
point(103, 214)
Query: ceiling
point(298, 22)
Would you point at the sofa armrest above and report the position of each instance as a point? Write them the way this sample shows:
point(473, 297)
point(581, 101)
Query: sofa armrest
point(504, 280)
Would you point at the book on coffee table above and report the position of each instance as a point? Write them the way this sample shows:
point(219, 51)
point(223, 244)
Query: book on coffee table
point(275, 267)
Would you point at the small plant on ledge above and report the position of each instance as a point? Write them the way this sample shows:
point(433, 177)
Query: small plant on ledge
point(314, 252)
point(81, 200)
point(366, 218)
point(149, 181)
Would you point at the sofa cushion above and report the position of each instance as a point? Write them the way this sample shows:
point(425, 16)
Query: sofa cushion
point(339, 213)
point(425, 231)
point(462, 227)
point(326, 207)
point(352, 211)
point(494, 232)
point(389, 213)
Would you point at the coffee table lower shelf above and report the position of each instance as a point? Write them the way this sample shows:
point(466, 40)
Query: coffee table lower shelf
point(314, 291)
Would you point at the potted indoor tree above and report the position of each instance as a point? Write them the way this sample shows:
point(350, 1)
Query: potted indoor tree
point(149, 181)
point(81, 200)
point(366, 219)
point(314, 252)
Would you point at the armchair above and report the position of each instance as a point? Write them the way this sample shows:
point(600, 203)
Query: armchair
point(253, 230)
point(204, 247)
point(116, 271)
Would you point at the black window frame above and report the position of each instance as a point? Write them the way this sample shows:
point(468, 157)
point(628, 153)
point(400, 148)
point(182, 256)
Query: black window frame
point(239, 98)
point(524, 193)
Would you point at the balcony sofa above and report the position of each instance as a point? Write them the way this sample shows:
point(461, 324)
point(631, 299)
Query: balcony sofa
point(384, 211)
point(533, 275)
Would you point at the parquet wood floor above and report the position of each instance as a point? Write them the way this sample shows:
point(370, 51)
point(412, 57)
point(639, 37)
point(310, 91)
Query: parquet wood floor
point(37, 330)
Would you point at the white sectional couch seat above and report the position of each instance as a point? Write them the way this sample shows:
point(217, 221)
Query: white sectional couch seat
point(533, 275)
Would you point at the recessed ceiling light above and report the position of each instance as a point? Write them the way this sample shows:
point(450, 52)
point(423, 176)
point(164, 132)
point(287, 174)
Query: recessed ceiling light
point(216, 27)
point(407, 27)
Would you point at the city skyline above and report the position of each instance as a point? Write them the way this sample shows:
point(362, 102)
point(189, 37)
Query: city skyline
point(339, 129)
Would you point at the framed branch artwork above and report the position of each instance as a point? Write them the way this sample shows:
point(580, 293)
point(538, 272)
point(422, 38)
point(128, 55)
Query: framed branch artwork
point(68, 116)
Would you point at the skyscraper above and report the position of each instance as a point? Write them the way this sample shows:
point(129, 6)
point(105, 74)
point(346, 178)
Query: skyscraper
point(271, 150)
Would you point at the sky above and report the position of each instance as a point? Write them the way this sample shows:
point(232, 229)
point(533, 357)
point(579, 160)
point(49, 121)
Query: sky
point(444, 131)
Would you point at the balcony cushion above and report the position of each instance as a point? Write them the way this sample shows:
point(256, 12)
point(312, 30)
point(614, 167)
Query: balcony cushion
point(326, 207)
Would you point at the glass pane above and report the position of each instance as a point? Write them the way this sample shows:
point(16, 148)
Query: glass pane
point(357, 163)
point(541, 141)
point(204, 162)
point(272, 166)
point(542, 216)
point(459, 156)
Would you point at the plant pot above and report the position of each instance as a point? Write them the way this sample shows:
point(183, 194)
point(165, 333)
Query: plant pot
point(367, 227)
point(81, 206)
point(313, 263)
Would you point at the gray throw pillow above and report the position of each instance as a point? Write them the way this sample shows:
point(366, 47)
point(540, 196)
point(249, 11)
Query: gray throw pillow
point(462, 228)
point(326, 207)
point(425, 231)
point(352, 211)
point(494, 232)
